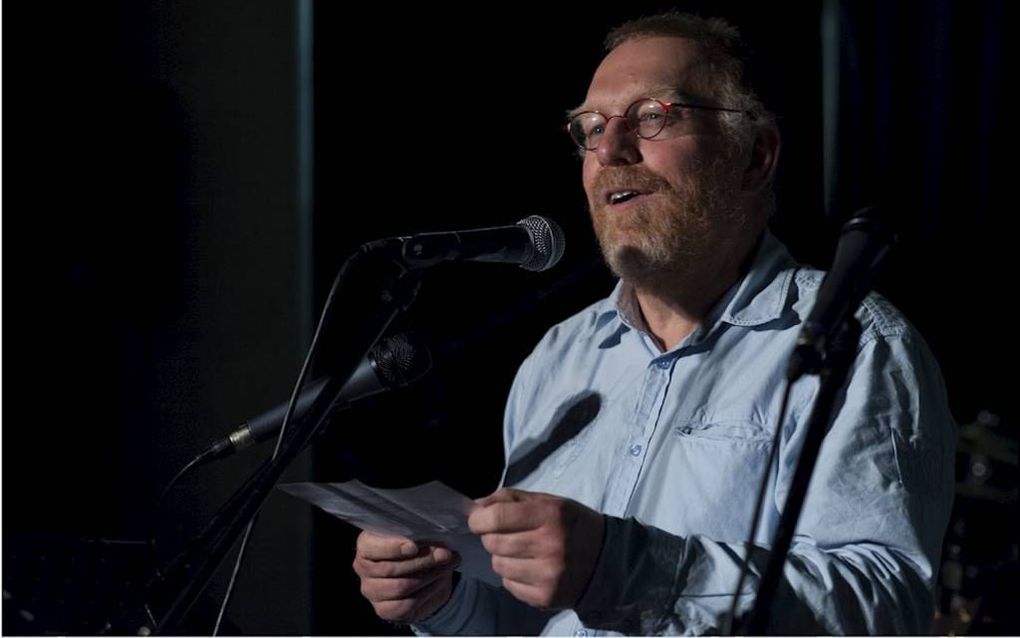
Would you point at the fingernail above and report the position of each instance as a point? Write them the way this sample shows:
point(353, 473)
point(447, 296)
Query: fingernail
point(442, 555)
point(408, 549)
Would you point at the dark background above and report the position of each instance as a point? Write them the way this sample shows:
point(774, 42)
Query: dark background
point(170, 240)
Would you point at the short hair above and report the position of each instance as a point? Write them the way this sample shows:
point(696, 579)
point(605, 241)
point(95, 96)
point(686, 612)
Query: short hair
point(724, 64)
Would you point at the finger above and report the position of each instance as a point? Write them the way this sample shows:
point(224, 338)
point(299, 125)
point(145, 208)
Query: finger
point(430, 556)
point(507, 517)
point(534, 596)
point(383, 589)
point(382, 547)
point(517, 545)
point(395, 610)
point(433, 598)
point(413, 608)
point(526, 571)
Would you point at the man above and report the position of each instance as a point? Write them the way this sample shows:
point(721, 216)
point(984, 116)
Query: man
point(665, 397)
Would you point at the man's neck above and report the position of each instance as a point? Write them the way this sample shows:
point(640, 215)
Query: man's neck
point(676, 303)
point(672, 315)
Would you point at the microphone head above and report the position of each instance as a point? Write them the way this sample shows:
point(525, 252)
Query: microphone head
point(547, 239)
point(401, 359)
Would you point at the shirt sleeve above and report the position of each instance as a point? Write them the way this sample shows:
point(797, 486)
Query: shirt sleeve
point(866, 546)
point(479, 609)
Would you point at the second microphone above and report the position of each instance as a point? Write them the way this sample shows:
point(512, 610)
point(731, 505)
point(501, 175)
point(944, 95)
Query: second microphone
point(393, 363)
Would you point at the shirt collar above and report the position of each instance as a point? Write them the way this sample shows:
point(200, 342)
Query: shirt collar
point(759, 297)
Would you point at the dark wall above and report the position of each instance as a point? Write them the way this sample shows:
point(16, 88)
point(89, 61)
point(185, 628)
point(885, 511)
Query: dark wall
point(153, 294)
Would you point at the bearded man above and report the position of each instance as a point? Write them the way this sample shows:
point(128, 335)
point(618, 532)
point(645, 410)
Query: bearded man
point(666, 395)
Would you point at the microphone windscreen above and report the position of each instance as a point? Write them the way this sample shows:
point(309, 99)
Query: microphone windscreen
point(401, 359)
point(548, 240)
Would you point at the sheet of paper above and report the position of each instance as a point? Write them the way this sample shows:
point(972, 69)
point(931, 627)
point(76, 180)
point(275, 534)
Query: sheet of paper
point(429, 512)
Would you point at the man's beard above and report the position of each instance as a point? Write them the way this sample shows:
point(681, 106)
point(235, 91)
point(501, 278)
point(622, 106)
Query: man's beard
point(676, 230)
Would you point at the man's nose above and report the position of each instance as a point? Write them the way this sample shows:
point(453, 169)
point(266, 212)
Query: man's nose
point(619, 144)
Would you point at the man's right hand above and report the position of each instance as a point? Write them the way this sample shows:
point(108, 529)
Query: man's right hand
point(405, 581)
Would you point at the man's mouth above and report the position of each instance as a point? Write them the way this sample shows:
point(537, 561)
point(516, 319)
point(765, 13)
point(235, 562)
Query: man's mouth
point(620, 196)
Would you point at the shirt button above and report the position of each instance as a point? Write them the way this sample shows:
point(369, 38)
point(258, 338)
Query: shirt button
point(635, 449)
point(663, 364)
point(581, 632)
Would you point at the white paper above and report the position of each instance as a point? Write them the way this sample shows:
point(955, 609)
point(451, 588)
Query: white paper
point(429, 512)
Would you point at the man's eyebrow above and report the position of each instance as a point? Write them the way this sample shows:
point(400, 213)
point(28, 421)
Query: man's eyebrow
point(577, 110)
point(669, 91)
point(666, 90)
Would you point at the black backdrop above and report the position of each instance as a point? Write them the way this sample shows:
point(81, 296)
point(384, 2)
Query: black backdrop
point(155, 260)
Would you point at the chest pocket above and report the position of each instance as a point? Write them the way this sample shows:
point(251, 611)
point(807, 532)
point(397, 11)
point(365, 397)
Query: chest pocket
point(720, 463)
point(741, 432)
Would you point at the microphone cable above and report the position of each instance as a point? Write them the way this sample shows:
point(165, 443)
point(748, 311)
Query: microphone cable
point(295, 393)
point(198, 460)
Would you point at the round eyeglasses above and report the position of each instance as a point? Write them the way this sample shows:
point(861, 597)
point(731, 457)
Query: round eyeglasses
point(647, 117)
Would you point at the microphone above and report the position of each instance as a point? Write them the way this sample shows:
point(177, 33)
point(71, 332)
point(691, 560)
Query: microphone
point(393, 363)
point(534, 243)
point(863, 246)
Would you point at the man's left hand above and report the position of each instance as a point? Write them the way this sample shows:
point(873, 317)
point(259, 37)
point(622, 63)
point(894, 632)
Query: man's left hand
point(544, 546)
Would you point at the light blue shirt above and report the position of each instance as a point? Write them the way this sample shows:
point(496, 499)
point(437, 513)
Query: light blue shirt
point(671, 447)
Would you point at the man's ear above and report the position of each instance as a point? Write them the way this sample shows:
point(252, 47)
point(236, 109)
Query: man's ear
point(761, 166)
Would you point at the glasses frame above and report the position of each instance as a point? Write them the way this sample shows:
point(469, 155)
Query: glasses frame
point(667, 106)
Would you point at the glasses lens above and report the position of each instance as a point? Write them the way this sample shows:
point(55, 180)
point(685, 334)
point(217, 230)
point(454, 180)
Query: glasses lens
point(586, 129)
point(648, 117)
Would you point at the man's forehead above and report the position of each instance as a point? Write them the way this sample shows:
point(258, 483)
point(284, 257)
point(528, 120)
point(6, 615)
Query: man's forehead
point(648, 67)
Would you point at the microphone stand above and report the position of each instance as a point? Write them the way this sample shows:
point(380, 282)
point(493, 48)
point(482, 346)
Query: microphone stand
point(832, 369)
point(374, 277)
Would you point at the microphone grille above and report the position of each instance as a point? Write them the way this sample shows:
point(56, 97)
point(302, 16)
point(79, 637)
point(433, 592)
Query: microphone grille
point(401, 359)
point(547, 239)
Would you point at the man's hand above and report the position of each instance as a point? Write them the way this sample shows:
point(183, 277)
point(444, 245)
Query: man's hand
point(405, 581)
point(544, 546)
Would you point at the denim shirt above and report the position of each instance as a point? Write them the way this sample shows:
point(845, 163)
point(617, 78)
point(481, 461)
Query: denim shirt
point(671, 447)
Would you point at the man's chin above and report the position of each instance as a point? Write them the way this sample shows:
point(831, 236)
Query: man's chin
point(633, 264)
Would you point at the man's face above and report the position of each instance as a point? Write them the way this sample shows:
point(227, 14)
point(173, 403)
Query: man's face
point(658, 205)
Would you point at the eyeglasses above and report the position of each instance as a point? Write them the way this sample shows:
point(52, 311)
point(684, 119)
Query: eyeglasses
point(647, 117)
